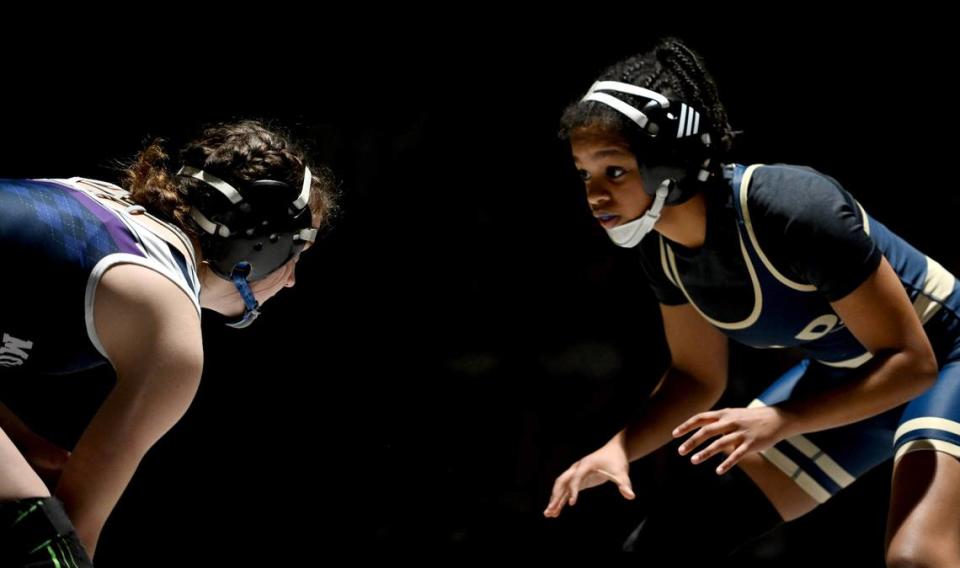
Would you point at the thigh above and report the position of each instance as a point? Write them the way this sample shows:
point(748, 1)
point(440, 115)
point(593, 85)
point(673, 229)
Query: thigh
point(788, 498)
point(932, 420)
point(923, 522)
point(823, 463)
point(17, 478)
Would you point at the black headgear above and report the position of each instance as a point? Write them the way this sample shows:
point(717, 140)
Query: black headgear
point(673, 144)
point(251, 230)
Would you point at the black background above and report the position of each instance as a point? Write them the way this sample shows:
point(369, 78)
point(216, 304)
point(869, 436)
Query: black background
point(466, 331)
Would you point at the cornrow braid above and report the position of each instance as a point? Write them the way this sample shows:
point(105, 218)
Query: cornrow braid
point(670, 68)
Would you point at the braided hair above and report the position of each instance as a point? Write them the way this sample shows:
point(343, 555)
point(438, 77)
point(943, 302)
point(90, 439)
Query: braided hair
point(671, 69)
point(239, 153)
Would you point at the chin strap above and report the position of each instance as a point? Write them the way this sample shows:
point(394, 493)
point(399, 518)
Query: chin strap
point(630, 234)
point(251, 306)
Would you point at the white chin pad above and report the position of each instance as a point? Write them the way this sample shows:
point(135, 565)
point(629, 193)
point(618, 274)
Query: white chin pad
point(630, 234)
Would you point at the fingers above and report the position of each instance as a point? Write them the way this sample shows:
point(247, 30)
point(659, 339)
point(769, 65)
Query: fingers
point(560, 493)
point(55, 459)
point(733, 459)
point(575, 484)
point(705, 433)
point(556, 505)
point(566, 489)
point(43, 453)
point(622, 481)
point(696, 421)
point(726, 443)
point(53, 462)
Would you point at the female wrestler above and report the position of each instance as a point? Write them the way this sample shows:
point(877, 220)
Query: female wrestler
point(110, 275)
point(772, 256)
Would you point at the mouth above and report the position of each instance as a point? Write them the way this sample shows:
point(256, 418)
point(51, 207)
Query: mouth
point(608, 220)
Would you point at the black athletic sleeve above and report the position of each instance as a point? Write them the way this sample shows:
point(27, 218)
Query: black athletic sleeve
point(815, 224)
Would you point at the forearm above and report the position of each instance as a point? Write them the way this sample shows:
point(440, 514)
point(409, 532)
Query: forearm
point(90, 487)
point(103, 462)
point(886, 382)
point(679, 397)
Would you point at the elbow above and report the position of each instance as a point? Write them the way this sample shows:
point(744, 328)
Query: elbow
point(929, 372)
point(923, 368)
point(709, 387)
point(713, 388)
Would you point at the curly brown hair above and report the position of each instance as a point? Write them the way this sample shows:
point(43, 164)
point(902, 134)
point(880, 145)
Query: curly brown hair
point(239, 153)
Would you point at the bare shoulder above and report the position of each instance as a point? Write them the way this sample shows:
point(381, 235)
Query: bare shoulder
point(142, 318)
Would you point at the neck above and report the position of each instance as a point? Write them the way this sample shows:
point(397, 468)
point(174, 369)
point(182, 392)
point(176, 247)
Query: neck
point(685, 224)
point(218, 294)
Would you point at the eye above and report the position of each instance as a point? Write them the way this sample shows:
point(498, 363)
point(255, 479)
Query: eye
point(615, 172)
point(584, 175)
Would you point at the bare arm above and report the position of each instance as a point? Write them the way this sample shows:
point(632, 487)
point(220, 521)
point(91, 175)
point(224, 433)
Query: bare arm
point(695, 380)
point(151, 333)
point(881, 317)
point(693, 383)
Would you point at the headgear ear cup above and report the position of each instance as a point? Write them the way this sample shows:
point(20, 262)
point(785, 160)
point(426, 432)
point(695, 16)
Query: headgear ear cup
point(672, 141)
point(265, 222)
point(672, 145)
point(251, 231)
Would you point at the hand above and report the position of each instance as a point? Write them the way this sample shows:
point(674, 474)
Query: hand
point(46, 458)
point(740, 431)
point(609, 463)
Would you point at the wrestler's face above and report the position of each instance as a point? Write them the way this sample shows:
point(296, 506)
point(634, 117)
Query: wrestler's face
point(612, 178)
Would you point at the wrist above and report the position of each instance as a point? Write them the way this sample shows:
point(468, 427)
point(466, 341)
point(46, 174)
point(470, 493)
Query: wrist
point(619, 441)
point(789, 423)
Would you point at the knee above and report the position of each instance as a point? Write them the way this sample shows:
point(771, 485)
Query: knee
point(921, 553)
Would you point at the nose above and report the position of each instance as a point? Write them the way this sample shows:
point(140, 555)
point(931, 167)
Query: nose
point(597, 194)
point(291, 278)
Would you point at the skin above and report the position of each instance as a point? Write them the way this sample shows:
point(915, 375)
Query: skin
point(922, 526)
point(158, 359)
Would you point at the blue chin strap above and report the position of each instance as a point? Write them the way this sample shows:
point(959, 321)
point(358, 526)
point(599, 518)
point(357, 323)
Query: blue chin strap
point(251, 306)
point(266, 239)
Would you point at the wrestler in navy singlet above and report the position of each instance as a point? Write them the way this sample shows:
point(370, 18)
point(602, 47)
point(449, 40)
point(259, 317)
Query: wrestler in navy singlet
point(782, 242)
point(57, 240)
